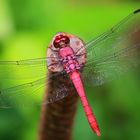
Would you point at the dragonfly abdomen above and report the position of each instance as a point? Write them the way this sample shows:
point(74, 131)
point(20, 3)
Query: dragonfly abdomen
point(92, 120)
point(75, 77)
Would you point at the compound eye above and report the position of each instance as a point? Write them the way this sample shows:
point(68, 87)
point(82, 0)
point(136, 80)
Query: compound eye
point(66, 40)
point(59, 40)
point(56, 43)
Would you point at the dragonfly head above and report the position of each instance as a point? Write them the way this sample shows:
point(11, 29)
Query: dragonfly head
point(61, 41)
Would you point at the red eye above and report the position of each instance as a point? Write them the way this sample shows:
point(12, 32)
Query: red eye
point(61, 39)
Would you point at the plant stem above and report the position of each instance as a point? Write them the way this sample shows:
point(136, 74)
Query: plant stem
point(57, 118)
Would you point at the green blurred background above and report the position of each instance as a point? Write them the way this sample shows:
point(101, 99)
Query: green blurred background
point(27, 26)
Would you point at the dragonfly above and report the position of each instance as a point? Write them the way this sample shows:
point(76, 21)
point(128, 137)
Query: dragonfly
point(101, 60)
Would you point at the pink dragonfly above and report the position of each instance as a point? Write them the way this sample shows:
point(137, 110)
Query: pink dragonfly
point(99, 61)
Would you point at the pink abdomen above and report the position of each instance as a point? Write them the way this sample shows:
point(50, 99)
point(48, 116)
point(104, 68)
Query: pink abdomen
point(75, 77)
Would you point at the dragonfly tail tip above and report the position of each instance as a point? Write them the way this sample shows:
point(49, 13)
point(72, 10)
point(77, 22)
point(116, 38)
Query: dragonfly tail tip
point(98, 133)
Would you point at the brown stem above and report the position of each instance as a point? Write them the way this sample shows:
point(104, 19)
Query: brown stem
point(57, 118)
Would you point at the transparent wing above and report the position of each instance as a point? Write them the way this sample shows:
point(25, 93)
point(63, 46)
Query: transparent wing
point(31, 94)
point(114, 52)
point(25, 69)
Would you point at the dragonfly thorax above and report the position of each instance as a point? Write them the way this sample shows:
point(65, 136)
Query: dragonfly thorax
point(69, 61)
point(65, 51)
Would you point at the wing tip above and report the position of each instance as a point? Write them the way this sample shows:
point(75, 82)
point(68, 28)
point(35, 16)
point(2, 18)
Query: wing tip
point(136, 11)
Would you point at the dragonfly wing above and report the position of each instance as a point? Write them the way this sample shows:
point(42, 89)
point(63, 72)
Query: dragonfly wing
point(26, 69)
point(61, 86)
point(22, 95)
point(59, 93)
point(31, 94)
point(106, 71)
point(114, 52)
